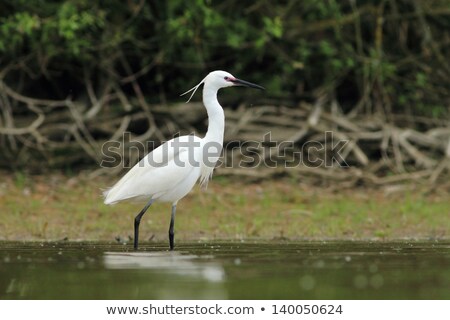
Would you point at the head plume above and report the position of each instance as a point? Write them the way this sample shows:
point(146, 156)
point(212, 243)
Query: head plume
point(193, 89)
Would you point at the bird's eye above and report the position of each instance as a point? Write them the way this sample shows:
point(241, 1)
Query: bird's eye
point(226, 78)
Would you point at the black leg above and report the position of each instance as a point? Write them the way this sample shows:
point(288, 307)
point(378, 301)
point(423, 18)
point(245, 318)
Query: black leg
point(172, 223)
point(137, 221)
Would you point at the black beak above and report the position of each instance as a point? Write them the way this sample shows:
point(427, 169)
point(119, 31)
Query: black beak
point(239, 82)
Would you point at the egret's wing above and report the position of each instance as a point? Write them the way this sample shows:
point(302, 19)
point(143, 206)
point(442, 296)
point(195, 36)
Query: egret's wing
point(156, 173)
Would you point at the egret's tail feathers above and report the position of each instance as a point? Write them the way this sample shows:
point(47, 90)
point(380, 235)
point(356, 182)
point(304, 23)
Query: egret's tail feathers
point(108, 197)
point(113, 196)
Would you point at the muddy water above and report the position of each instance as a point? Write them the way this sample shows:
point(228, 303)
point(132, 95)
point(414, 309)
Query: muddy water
point(226, 270)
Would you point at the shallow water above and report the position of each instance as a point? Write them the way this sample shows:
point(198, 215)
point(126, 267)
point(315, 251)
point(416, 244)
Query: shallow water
point(225, 270)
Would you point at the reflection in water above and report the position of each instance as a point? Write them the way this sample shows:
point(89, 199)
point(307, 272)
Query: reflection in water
point(173, 267)
point(172, 263)
point(284, 270)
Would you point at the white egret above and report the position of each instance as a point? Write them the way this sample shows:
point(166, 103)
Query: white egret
point(170, 171)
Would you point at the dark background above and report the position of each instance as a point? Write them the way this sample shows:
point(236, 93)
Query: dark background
point(74, 74)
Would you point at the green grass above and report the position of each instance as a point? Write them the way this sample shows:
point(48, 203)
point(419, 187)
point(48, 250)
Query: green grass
point(57, 207)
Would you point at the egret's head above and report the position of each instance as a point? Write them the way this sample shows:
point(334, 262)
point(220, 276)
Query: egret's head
point(222, 79)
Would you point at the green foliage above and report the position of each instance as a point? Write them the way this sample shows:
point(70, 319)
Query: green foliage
point(68, 29)
point(273, 27)
point(284, 46)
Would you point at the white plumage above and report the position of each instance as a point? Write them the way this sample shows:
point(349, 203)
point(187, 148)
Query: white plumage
point(170, 171)
point(159, 176)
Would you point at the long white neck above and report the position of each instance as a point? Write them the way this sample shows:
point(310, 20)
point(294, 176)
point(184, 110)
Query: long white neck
point(216, 116)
